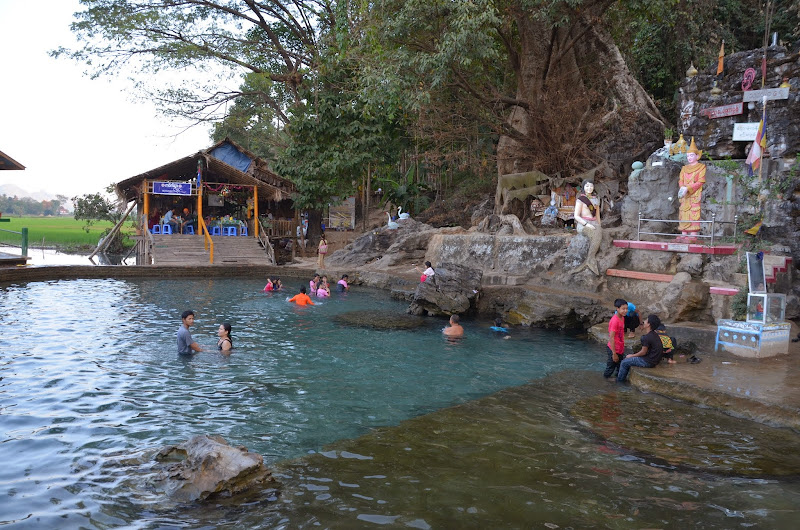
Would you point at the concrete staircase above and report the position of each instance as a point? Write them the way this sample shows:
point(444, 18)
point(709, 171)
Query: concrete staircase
point(184, 249)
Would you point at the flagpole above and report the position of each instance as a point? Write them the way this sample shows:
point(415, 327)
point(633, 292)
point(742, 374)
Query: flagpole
point(762, 139)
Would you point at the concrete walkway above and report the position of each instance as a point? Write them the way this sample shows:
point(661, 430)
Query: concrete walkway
point(766, 390)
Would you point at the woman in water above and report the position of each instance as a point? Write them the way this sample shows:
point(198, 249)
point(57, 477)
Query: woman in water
point(270, 286)
point(323, 289)
point(225, 344)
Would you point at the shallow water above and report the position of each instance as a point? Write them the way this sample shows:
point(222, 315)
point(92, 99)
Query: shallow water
point(91, 386)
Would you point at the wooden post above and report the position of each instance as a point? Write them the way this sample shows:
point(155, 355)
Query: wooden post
point(146, 207)
point(199, 209)
point(255, 211)
point(368, 189)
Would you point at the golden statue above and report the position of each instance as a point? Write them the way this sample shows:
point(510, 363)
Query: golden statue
point(678, 147)
point(691, 180)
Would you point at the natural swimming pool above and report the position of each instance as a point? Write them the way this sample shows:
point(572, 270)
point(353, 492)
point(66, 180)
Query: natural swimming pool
point(90, 381)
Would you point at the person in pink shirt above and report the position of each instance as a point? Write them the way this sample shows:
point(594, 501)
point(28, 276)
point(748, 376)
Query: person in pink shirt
point(312, 284)
point(616, 338)
point(341, 285)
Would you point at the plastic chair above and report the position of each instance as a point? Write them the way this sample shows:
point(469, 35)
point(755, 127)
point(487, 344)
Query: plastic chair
point(215, 231)
point(244, 231)
point(166, 229)
point(156, 229)
point(188, 229)
point(229, 231)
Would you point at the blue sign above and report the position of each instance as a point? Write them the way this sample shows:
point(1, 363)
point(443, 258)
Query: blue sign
point(172, 188)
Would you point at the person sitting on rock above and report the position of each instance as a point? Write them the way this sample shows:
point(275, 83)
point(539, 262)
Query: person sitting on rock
point(651, 352)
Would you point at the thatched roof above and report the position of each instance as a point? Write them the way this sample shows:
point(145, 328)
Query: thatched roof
point(270, 186)
point(6, 162)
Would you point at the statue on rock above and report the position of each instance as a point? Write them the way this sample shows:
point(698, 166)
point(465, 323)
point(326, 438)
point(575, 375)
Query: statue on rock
point(587, 222)
point(691, 180)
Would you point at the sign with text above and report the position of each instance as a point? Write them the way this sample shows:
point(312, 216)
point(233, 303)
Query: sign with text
point(769, 93)
point(745, 132)
point(724, 111)
point(172, 188)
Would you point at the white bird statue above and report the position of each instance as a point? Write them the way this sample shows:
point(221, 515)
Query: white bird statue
point(402, 215)
point(392, 225)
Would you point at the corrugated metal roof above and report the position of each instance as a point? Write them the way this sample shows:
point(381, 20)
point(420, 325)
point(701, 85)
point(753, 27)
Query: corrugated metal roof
point(270, 185)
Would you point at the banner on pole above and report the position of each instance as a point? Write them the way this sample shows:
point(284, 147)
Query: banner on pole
point(734, 109)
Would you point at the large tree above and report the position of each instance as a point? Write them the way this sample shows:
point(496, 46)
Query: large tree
point(544, 74)
point(275, 43)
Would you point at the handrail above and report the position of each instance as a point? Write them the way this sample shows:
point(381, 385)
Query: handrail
point(264, 239)
point(24, 239)
point(208, 244)
point(713, 222)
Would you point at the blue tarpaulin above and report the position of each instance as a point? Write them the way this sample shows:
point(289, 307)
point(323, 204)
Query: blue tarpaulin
point(232, 156)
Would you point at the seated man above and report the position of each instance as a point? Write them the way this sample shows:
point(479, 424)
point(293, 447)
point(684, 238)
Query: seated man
point(171, 220)
point(651, 352)
point(189, 219)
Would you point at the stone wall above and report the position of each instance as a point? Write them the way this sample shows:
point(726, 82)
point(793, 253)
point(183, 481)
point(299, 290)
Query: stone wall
point(514, 255)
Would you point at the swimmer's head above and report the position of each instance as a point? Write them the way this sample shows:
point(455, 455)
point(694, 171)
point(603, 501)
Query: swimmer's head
point(303, 290)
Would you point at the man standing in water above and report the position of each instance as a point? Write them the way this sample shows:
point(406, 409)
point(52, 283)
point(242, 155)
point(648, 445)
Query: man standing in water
point(454, 329)
point(187, 345)
point(616, 338)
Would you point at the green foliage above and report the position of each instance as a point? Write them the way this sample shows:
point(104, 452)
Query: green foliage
point(660, 39)
point(335, 138)
point(94, 207)
point(63, 232)
point(27, 206)
point(409, 192)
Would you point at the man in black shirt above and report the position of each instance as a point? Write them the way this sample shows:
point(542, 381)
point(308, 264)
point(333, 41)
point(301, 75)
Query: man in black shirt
point(651, 352)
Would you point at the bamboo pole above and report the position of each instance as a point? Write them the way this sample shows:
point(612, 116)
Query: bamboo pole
point(255, 211)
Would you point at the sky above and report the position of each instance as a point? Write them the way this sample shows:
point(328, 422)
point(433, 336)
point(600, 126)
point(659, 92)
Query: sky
point(74, 135)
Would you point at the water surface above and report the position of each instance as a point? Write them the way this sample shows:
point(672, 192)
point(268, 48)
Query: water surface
point(362, 426)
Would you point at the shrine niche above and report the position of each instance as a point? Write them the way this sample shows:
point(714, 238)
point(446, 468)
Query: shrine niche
point(518, 186)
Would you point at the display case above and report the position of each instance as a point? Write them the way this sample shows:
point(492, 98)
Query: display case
point(766, 308)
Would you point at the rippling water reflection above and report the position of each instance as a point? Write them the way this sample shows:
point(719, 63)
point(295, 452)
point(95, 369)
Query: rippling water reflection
point(91, 386)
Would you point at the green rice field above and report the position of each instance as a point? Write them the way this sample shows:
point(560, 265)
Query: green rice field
point(53, 232)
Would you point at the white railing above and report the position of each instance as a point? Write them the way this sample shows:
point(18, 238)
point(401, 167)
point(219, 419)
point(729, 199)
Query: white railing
point(713, 222)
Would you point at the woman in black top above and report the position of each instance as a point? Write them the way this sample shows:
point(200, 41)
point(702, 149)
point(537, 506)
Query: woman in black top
point(225, 344)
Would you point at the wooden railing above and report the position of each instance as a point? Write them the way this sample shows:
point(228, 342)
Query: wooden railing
point(263, 238)
point(275, 228)
point(208, 244)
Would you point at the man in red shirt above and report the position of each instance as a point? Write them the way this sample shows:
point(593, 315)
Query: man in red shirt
point(616, 338)
point(301, 298)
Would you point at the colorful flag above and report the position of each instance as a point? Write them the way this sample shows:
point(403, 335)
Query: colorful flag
point(721, 58)
point(759, 144)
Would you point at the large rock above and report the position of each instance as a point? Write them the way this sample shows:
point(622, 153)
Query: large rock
point(451, 291)
point(544, 307)
point(207, 466)
point(715, 135)
point(384, 247)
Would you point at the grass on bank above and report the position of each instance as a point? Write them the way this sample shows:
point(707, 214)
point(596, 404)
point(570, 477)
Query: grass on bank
point(63, 232)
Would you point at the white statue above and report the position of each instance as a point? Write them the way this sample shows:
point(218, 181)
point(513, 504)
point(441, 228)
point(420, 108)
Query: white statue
point(587, 222)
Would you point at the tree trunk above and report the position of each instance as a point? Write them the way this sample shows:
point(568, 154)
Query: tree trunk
point(584, 107)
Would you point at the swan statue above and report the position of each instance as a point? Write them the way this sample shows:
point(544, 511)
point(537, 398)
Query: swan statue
point(391, 225)
point(402, 215)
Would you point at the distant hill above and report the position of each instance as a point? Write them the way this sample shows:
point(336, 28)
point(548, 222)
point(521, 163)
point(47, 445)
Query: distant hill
point(12, 190)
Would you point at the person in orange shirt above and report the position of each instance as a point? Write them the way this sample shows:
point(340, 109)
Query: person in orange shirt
point(301, 298)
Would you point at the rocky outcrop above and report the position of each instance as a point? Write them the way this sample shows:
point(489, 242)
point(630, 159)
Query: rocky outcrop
point(715, 135)
point(385, 247)
point(207, 466)
point(451, 291)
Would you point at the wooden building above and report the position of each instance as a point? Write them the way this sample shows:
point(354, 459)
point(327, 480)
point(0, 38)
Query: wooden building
point(225, 189)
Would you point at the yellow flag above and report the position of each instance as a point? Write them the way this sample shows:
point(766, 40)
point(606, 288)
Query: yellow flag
point(721, 58)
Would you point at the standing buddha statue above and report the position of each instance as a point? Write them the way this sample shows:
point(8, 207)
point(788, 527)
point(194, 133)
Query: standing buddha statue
point(691, 180)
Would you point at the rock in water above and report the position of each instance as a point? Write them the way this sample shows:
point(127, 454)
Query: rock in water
point(451, 291)
point(208, 466)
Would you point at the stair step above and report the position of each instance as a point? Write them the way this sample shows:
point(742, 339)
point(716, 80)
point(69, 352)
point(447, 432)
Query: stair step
point(636, 275)
point(691, 248)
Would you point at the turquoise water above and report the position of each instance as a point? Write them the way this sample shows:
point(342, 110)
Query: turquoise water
point(91, 386)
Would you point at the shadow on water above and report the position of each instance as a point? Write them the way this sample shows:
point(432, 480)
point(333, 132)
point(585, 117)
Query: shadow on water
point(566, 451)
